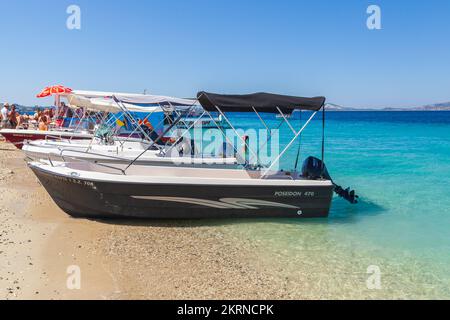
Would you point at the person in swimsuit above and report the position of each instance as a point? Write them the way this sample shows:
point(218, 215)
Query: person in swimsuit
point(12, 117)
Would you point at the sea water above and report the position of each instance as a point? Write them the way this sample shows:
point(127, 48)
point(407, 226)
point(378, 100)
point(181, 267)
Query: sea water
point(399, 164)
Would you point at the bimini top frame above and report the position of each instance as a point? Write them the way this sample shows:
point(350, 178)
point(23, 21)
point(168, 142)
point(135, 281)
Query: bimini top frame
point(268, 103)
point(106, 101)
point(258, 102)
point(110, 103)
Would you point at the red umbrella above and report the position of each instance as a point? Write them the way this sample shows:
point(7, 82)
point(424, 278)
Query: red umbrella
point(48, 91)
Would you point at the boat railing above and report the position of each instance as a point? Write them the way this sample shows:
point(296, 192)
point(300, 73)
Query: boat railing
point(54, 137)
point(95, 161)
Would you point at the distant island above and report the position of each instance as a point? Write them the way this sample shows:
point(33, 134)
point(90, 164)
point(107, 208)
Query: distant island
point(445, 106)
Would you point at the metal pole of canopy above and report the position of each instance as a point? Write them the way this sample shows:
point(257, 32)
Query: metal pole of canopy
point(128, 115)
point(182, 135)
point(268, 130)
point(182, 121)
point(299, 145)
point(289, 145)
point(110, 123)
point(261, 119)
point(286, 120)
point(156, 140)
point(161, 122)
point(76, 127)
point(269, 137)
point(323, 139)
point(136, 128)
point(223, 133)
point(174, 110)
point(235, 131)
point(104, 119)
point(295, 133)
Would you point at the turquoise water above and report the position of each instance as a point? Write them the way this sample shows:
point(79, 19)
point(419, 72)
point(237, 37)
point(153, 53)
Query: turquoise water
point(399, 164)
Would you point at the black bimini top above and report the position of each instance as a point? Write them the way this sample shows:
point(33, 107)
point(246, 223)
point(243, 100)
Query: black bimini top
point(262, 102)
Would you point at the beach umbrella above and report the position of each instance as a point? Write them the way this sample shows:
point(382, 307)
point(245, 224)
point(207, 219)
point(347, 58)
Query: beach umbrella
point(48, 91)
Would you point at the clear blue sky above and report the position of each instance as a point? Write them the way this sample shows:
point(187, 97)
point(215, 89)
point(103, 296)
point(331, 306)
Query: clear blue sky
point(179, 47)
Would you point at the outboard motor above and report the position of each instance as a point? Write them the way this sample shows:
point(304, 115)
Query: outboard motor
point(315, 169)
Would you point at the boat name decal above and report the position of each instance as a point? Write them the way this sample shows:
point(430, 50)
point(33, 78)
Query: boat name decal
point(294, 194)
point(224, 203)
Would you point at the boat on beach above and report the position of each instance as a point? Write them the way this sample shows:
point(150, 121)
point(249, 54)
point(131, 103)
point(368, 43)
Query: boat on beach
point(122, 151)
point(150, 148)
point(19, 136)
point(87, 189)
point(67, 128)
point(83, 189)
point(80, 104)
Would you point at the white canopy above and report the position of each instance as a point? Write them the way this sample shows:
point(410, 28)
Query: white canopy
point(152, 99)
point(106, 105)
point(103, 101)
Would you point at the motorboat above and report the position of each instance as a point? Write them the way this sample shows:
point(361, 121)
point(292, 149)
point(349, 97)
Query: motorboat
point(73, 127)
point(121, 151)
point(87, 189)
point(109, 146)
point(18, 136)
point(83, 189)
point(80, 100)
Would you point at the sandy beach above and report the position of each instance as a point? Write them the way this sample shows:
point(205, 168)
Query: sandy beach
point(117, 260)
point(206, 259)
point(203, 259)
point(289, 172)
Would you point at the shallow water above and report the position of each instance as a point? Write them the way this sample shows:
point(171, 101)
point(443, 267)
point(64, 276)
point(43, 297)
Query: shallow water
point(399, 164)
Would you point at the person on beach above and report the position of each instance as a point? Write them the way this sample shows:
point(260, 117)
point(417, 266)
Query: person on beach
point(4, 116)
point(43, 123)
point(47, 115)
point(68, 118)
point(23, 121)
point(12, 117)
point(61, 114)
point(37, 115)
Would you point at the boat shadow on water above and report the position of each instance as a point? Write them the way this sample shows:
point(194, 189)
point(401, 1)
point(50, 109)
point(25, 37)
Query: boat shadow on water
point(341, 212)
